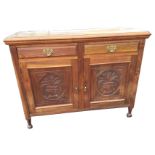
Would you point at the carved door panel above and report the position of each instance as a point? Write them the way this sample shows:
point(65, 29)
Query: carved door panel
point(51, 84)
point(106, 80)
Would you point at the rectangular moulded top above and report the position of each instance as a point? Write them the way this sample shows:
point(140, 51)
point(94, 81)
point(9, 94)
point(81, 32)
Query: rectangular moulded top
point(29, 37)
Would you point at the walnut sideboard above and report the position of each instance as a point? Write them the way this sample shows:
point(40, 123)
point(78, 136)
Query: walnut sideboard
point(78, 70)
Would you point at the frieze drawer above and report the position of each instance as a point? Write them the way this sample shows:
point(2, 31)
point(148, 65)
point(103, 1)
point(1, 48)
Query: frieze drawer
point(39, 51)
point(112, 47)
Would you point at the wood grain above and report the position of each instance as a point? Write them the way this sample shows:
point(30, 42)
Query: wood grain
point(20, 81)
point(23, 38)
point(37, 51)
point(41, 91)
point(94, 48)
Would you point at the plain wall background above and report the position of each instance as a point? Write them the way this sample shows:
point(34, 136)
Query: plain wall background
point(94, 132)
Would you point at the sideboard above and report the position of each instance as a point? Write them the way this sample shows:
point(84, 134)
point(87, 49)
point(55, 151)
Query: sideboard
point(77, 70)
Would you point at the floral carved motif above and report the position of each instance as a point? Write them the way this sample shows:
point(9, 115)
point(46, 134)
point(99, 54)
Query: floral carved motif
point(51, 86)
point(108, 82)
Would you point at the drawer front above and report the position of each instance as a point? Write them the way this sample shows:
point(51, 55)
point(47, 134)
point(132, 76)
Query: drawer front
point(47, 51)
point(111, 47)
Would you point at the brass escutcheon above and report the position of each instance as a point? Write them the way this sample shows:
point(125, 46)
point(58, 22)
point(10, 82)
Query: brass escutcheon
point(48, 51)
point(111, 48)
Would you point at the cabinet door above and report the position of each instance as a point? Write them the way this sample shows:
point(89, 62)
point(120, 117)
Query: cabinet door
point(106, 80)
point(51, 84)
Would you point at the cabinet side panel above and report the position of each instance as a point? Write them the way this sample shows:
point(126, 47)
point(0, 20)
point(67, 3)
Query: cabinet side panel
point(14, 56)
point(135, 75)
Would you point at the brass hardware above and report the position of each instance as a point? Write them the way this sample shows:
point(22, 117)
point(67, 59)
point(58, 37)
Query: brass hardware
point(76, 89)
point(111, 48)
point(48, 51)
point(85, 89)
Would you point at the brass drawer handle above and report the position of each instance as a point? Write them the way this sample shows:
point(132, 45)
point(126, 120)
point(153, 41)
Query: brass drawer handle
point(48, 51)
point(111, 48)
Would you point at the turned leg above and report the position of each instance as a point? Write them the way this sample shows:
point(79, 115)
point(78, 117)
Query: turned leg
point(129, 114)
point(29, 125)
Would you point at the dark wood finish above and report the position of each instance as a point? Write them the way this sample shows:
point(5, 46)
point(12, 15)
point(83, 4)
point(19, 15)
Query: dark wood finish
point(49, 83)
point(59, 73)
point(107, 81)
point(51, 86)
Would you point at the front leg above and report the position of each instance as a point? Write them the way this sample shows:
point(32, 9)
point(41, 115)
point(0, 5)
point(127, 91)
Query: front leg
point(129, 114)
point(29, 125)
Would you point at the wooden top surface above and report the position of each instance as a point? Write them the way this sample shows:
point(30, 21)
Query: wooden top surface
point(38, 36)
